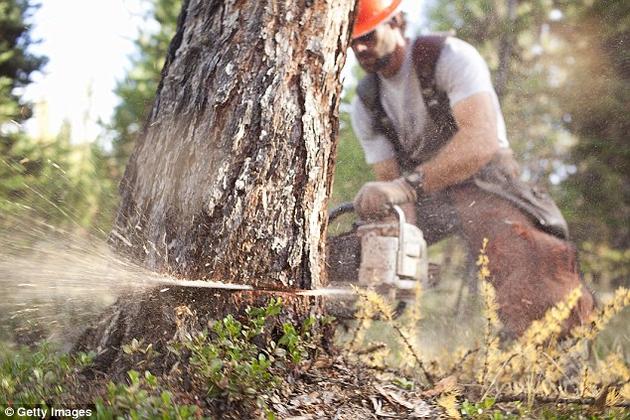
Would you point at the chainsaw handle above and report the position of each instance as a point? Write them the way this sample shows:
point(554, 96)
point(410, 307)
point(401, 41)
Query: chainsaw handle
point(339, 210)
point(349, 208)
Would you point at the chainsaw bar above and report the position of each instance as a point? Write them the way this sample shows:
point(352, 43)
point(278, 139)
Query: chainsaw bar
point(333, 292)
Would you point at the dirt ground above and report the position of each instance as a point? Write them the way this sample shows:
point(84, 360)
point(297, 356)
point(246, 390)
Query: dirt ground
point(337, 389)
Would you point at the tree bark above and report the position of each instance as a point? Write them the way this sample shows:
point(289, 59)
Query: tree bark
point(230, 178)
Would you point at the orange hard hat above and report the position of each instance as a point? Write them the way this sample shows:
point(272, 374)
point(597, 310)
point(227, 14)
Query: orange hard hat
point(370, 13)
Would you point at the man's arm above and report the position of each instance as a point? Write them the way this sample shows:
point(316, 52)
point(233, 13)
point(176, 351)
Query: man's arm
point(386, 170)
point(472, 147)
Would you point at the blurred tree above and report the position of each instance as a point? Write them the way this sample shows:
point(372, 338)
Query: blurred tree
point(595, 98)
point(137, 89)
point(515, 39)
point(52, 182)
point(46, 179)
point(599, 58)
point(16, 63)
point(16, 67)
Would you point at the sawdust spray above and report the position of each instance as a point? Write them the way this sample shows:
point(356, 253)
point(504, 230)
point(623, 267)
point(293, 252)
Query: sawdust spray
point(54, 282)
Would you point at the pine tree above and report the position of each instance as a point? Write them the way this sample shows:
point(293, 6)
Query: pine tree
point(137, 89)
point(595, 99)
point(230, 179)
point(16, 67)
point(599, 192)
point(16, 63)
point(50, 180)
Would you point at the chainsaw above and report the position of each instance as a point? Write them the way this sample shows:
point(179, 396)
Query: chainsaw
point(387, 257)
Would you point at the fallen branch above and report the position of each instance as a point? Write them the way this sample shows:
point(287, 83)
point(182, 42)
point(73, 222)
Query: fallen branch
point(372, 349)
point(427, 375)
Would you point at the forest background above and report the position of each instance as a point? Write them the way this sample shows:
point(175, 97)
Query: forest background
point(561, 69)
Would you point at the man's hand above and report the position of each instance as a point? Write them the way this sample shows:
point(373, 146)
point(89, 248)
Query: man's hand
point(374, 198)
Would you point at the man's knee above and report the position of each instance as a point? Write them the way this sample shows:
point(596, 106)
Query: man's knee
point(532, 272)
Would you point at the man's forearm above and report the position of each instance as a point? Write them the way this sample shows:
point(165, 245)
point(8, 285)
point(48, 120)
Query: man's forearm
point(386, 170)
point(458, 160)
point(473, 146)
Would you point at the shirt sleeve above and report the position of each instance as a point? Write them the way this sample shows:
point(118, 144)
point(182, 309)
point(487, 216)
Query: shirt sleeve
point(462, 72)
point(376, 147)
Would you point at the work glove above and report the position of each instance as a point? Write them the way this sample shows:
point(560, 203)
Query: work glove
point(375, 198)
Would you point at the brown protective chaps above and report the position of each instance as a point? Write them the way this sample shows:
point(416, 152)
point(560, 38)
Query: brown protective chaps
point(531, 270)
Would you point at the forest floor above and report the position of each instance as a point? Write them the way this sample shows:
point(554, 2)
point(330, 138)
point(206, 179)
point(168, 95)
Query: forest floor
point(368, 373)
point(220, 375)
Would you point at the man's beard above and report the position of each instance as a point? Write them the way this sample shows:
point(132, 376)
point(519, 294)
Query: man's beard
point(384, 61)
point(379, 64)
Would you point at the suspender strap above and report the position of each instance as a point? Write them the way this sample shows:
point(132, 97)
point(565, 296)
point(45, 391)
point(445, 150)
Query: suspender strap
point(426, 52)
point(369, 89)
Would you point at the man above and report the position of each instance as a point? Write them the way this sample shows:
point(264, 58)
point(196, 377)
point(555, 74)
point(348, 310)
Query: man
point(430, 124)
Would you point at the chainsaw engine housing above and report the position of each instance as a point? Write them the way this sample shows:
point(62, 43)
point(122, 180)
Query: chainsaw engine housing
point(392, 254)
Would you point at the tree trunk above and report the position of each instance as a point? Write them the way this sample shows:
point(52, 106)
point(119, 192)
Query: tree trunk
point(230, 178)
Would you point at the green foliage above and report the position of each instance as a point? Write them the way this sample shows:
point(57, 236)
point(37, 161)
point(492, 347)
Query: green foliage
point(231, 363)
point(604, 265)
point(403, 383)
point(486, 410)
point(137, 90)
point(142, 399)
point(42, 376)
point(16, 63)
point(295, 341)
point(142, 354)
point(351, 171)
point(38, 376)
point(55, 182)
point(235, 361)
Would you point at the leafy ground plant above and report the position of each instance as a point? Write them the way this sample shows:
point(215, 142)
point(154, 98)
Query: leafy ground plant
point(238, 362)
point(142, 399)
point(39, 375)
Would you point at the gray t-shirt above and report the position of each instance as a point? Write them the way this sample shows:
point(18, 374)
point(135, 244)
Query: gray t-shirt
point(460, 72)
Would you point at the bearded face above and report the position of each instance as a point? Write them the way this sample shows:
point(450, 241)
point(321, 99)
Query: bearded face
point(375, 50)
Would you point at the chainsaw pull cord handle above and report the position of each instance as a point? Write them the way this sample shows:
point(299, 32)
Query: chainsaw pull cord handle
point(348, 207)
